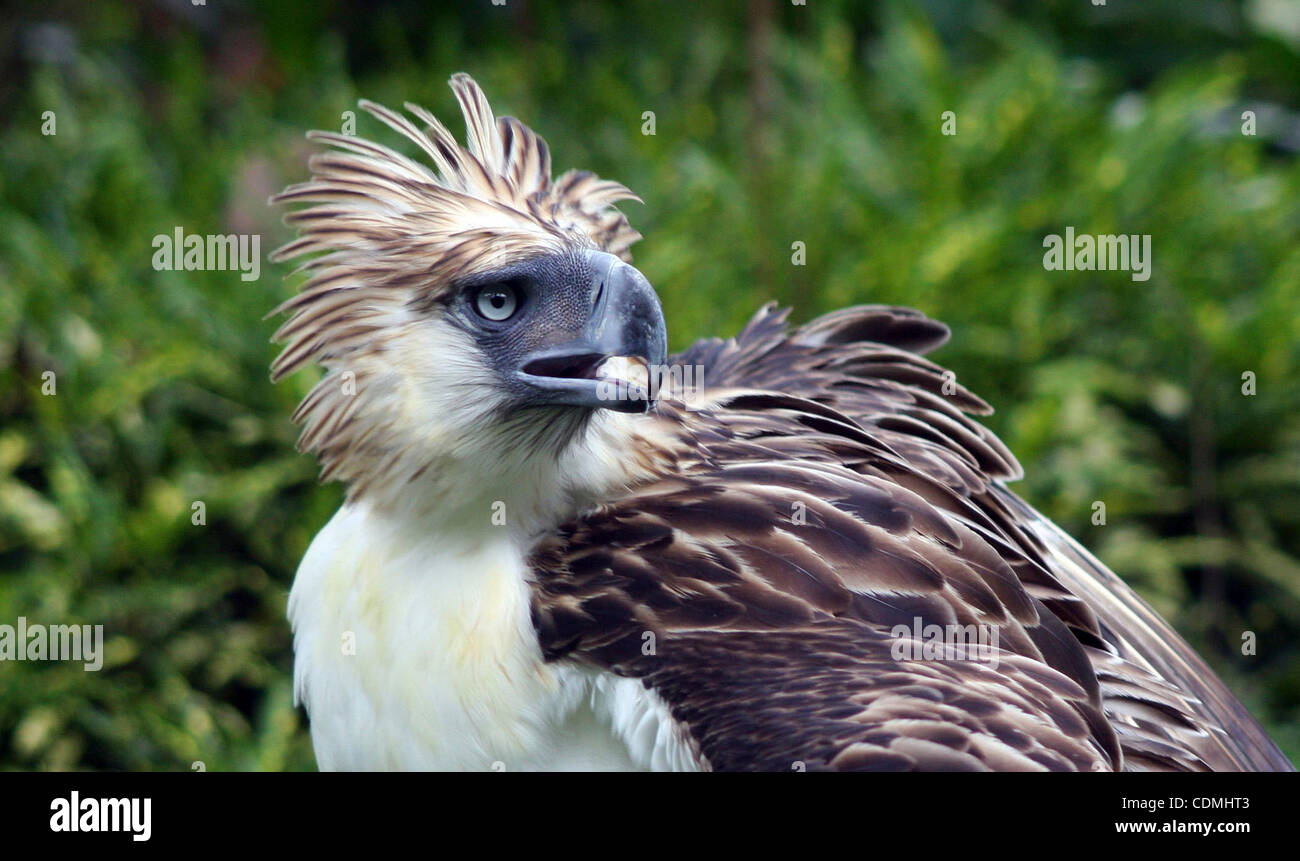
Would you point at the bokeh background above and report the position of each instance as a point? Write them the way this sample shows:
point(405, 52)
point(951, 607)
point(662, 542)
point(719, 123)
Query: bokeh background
point(775, 123)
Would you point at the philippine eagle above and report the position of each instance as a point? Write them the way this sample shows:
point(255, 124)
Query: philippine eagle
point(550, 556)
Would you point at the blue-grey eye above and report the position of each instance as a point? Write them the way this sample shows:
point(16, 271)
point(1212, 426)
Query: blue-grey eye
point(497, 302)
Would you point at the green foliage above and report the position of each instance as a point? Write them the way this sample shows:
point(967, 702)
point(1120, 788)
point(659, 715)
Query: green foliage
point(825, 132)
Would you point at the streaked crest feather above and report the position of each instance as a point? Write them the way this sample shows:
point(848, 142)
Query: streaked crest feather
point(389, 231)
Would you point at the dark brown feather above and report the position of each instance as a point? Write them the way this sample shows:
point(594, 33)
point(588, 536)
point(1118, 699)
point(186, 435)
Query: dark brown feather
point(829, 485)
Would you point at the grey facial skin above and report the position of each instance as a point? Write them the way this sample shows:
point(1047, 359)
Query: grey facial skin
point(574, 311)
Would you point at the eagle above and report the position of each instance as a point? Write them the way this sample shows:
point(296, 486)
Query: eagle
point(561, 548)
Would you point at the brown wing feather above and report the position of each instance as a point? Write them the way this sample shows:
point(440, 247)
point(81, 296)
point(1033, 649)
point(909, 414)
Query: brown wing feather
point(828, 487)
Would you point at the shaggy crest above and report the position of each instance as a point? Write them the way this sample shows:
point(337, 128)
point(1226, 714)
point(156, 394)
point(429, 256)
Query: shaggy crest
point(396, 236)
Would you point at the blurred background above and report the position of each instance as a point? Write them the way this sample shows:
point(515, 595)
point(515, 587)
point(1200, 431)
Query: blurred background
point(774, 123)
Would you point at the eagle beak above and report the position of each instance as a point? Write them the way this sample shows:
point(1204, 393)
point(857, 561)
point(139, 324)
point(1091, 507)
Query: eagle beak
point(613, 363)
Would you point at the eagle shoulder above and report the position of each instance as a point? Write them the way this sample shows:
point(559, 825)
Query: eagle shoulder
point(830, 500)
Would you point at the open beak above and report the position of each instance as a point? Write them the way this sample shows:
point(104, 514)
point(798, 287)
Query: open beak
point(622, 346)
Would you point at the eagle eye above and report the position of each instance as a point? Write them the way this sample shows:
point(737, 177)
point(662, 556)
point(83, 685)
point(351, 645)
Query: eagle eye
point(497, 302)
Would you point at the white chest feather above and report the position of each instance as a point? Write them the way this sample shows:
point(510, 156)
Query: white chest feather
point(415, 651)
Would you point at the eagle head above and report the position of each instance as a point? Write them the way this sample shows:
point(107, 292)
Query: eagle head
point(469, 313)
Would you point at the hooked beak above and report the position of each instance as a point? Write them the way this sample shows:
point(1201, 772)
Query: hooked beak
point(621, 346)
